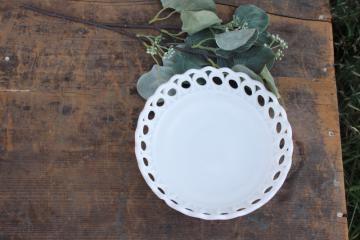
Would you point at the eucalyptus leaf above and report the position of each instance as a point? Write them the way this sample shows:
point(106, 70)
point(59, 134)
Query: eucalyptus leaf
point(244, 69)
point(150, 81)
point(195, 21)
point(223, 53)
point(254, 17)
point(235, 39)
point(255, 58)
point(223, 62)
point(194, 39)
point(269, 81)
point(180, 62)
point(189, 5)
point(263, 38)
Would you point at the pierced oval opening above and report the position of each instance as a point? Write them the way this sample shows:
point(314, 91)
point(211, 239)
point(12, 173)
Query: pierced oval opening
point(151, 115)
point(151, 177)
point(160, 102)
point(146, 129)
point(217, 80)
point(282, 143)
point(201, 81)
point(281, 159)
point(185, 84)
point(143, 145)
point(278, 127)
point(256, 201)
point(146, 162)
point(233, 84)
point(161, 190)
point(172, 92)
point(248, 90)
point(261, 100)
point(276, 176)
point(268, 189)
point(271, 112)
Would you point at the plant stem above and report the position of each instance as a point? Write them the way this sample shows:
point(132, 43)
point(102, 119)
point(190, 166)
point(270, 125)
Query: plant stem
point(108, 26)
point(78, 20)
point(157, 62)
point(111, 27)
point(173, 35)
point(157, 18)
point(199, 44)
point(212, 62)
point(206, 48)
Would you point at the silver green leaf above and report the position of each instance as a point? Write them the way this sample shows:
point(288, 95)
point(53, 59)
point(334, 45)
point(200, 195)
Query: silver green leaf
point(254, 17)
point(244, 69)
point(255, 58)
point(150, 81)
point(235, 39)
point(180, 62)
point(189, 5)
point(195, 21)
point(269, 81)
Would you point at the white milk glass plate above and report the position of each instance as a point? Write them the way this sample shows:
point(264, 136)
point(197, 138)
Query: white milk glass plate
point(213, 143)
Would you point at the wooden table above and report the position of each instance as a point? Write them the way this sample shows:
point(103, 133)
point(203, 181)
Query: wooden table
point(68, 110)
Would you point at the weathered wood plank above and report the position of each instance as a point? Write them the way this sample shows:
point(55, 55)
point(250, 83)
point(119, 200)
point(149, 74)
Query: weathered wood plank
point(68, 109)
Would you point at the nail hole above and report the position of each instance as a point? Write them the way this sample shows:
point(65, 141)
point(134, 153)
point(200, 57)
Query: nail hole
point(201, 81)
point(268, 190)
point(146, 162)
point(233, 84)
point(256, 201)
point(206, 213)
point(172, 92)
point(143, 145)
point(276, 176)
point(151, 177)
point(151, 115)
point(161, 190)
point(282, 159)
point(145, 129)
point(271, 112)
point(278, 127)
point(225, 213)
point(270, 99)
point(282, 143)
point(240, 209)
point(185, 84)
point(174, 201)
point(217, 80)
point(189, 209)
point(160, 102)
point(248, 90)
point(261, 100)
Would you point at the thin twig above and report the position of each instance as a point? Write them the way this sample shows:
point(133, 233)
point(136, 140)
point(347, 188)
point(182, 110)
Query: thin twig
point(79, 20)
point(111, 27)
point(157, 27)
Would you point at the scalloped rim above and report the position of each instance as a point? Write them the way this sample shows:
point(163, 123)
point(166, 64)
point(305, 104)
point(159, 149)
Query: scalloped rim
point(242, 80)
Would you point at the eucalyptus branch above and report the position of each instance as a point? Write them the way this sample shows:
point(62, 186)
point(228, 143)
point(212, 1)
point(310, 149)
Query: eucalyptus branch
point(78, 20)
point(109, 26)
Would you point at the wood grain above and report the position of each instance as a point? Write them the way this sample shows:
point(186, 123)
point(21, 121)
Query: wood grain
point(68, 109)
